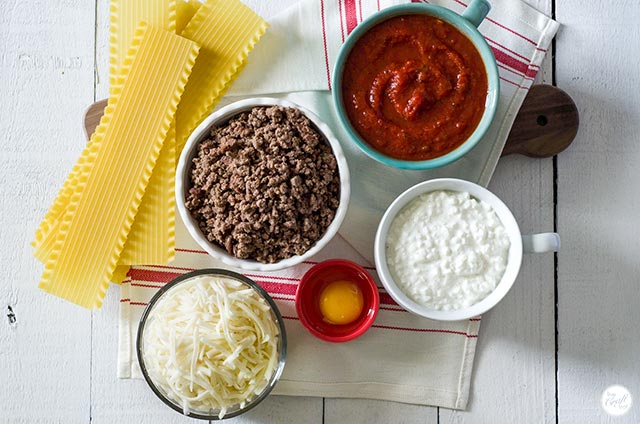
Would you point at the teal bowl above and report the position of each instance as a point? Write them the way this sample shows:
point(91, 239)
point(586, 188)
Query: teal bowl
point(466, 23)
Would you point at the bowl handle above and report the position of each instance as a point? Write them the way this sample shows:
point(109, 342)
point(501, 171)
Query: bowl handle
point(476, 11)
point(541, 243)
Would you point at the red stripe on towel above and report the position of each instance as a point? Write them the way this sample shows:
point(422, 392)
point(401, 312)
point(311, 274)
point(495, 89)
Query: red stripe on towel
point(513, 83)
point(201, 252)
point(171, 267)
point(286, 299)
point(148, 286)
point(386, 299)
point(505, 27)
point(507, 49)
point(515, 72)
point(419, 330)
point(510, 61)
point(142, 276)
point(324, 40)
point(425, 330)
point(386, 308)
point(277, 288)
point(153, 276)
point(340, 9)
point(516, 33)
point(350, 15)
point(272, 277)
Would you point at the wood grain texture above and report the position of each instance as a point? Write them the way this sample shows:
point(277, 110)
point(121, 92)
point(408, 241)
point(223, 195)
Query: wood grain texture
point(46, 59)
point(361, 411)
point(598, 210)
point(513, 379)
point(514, 370)
point(133, 400)
point(114, 400)
point(545, 126)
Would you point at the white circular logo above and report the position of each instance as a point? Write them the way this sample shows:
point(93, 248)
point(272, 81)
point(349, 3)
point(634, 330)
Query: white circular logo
point(616, 400)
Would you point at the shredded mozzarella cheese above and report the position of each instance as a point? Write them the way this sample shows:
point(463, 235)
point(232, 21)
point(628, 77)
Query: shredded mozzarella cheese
point(211, 344)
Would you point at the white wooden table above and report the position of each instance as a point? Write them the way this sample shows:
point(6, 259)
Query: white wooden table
point(565, 332)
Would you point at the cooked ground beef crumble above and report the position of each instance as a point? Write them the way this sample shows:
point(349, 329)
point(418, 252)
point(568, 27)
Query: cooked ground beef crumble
point(265, 186)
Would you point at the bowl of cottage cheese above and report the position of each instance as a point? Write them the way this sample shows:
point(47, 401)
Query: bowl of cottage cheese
point(449, 249)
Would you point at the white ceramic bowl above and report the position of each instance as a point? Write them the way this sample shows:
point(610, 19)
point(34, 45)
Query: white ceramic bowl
point(544, 242)
point(183, 184)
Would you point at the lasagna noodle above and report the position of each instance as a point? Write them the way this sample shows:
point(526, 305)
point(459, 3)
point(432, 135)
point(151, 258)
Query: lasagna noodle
point(100, 214)
point(184, 12)
point(125, 15)
point(152, 240)
point(120, 274)
point(152, 237)
point(227, 31)
point(48, 230)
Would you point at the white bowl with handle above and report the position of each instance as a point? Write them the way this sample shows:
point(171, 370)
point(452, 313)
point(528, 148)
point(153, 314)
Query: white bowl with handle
point(536, 243)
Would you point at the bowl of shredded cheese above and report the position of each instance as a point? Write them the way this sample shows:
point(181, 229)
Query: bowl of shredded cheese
point(211, 344)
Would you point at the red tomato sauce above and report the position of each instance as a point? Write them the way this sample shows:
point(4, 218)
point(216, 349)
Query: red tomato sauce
point(414, 87)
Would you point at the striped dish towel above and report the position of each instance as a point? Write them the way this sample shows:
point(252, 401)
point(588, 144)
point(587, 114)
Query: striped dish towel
point(402, 358)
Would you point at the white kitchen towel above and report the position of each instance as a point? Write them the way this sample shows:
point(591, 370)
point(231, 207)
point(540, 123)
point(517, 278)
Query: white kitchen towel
point(298, 53)
point(299, 49)
point(402, 358)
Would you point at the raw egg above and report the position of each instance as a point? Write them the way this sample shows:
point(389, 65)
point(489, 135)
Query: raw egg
point(341, 302)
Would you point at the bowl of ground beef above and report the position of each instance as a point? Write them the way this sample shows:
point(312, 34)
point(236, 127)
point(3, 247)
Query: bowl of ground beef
point(262, 184)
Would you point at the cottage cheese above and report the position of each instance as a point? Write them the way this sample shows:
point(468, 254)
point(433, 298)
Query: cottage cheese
point(447, 250)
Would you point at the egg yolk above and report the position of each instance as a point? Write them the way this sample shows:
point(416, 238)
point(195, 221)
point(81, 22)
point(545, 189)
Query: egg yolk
point(341, 302)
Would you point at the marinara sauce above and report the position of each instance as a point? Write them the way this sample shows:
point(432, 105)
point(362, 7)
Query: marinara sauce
point(414, 87)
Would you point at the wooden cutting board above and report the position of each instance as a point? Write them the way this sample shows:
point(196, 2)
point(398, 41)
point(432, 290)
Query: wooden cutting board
point(546, 124)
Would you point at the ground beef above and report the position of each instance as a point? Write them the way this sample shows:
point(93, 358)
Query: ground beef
point(265, 186)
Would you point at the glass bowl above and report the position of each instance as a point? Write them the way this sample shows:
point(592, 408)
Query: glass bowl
point(282, 344)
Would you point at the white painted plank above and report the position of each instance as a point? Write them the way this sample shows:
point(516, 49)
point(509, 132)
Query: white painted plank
point(356, 411)
point(514, 370)
point(284, 410)
point(494, 386)
point(514, 367)
point(518, 334)
point(364, 411)
point(134, 401)
point(113, 400)
point(46, 68)
point(599, 200)
point(116, 401)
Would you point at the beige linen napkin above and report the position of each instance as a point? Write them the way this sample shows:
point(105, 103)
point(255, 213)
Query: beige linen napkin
point(402, 358)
